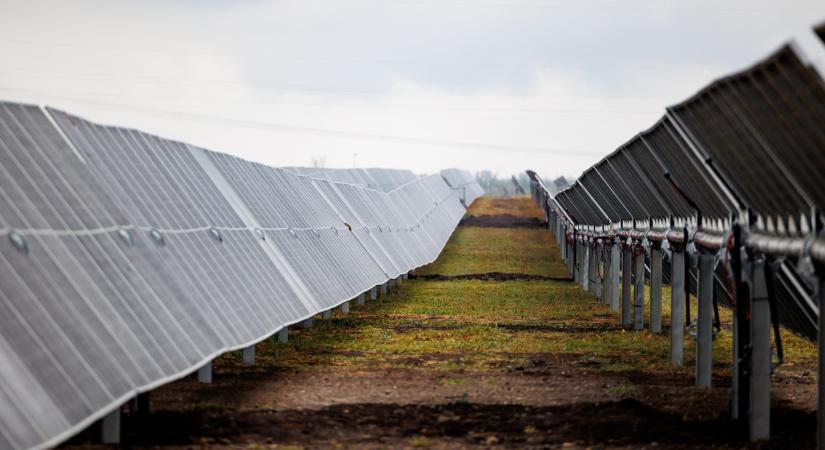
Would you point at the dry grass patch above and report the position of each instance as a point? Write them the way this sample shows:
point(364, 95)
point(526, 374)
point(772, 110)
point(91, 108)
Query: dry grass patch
point(510, 250)
point(521, 206)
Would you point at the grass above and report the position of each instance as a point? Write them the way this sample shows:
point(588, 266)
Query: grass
point(489, 325)
point(530, 251)
point(521, 206)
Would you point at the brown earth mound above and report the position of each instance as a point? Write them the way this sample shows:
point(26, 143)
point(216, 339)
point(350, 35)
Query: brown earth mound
point(489, 276)
point(502, 221)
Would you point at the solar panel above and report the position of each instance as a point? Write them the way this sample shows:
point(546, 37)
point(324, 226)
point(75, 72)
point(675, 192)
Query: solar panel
point(671, 152)
point(752, 141)
point(128, 260)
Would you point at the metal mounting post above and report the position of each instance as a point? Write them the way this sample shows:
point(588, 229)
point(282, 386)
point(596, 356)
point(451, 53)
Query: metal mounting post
point(361, 299)
point(704, 321)
point(283, 335)
point(615, 260)
point(820, 381)
point(140, 404)
point(595, 264)
point(639, 292)
point(677, 306)
point(585, 267)
point(627, 268)
point(606, 273)
point(205, 373)
point(248, 355)
point(656, 290)
point(741, 371)
point(110, 428)
point(760, 386)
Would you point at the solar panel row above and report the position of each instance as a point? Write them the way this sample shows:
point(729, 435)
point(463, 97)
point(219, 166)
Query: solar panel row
point(753, 141)
point(129, 260)
point(383, 180)
point(465, 183)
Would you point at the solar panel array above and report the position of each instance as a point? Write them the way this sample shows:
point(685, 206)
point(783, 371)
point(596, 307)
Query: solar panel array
point(465, 183)
point(384, 180)
point(751, 141)
point(129, 260)
point(732, 177)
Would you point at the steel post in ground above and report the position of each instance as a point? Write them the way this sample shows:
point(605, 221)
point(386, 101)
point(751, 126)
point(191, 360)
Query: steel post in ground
point(656, 290)
point(704, 321)
point(627, 269)
point(677, 306)
point(760, 385)
point(639, 291)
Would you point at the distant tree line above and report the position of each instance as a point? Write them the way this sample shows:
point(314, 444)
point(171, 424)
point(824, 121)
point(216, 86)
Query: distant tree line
point(506, 186)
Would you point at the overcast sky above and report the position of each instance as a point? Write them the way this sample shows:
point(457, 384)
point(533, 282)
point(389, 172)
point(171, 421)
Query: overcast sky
point(505, 85)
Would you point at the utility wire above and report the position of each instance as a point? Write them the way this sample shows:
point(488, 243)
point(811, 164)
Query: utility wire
point(281, 87)
point(348, 134)
point(328, 105)
point(511, 65)
point(597, 7)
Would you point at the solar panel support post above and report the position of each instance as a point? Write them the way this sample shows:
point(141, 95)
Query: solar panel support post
point(571, 258)
point(574, 247)
point(205, 373)
point(248, 355)
point(574, 250)
point(405, 276)
point(627, 268)
point(582, 265)
point(110, 428)
point(656, 255)
point(307, 323)
point(639, 290)
point(820, 412)
point(760, 385)
point(362, 298)
point(139, 404)
point(326, 315)
point(560, 237)
point(597, 264)
point(283, 335)
point(585, 272)
point(677, 306)
point(606, 252)
point(345, 307)
point(740, 381)
point(591, 267)
point(615, 259)
point(594, 269)
point(704, 321)
point(384, 289)
point(374, 293)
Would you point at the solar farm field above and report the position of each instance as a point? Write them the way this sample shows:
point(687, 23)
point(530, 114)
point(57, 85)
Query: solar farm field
point(470, 361)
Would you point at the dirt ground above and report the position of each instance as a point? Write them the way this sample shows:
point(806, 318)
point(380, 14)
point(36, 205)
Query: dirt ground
point(469, 360)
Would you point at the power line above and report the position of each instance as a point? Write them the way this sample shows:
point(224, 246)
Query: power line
point(281, 87)
point(511, 65)
point(350, 134)
point(342, 105)
point(598, 7)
